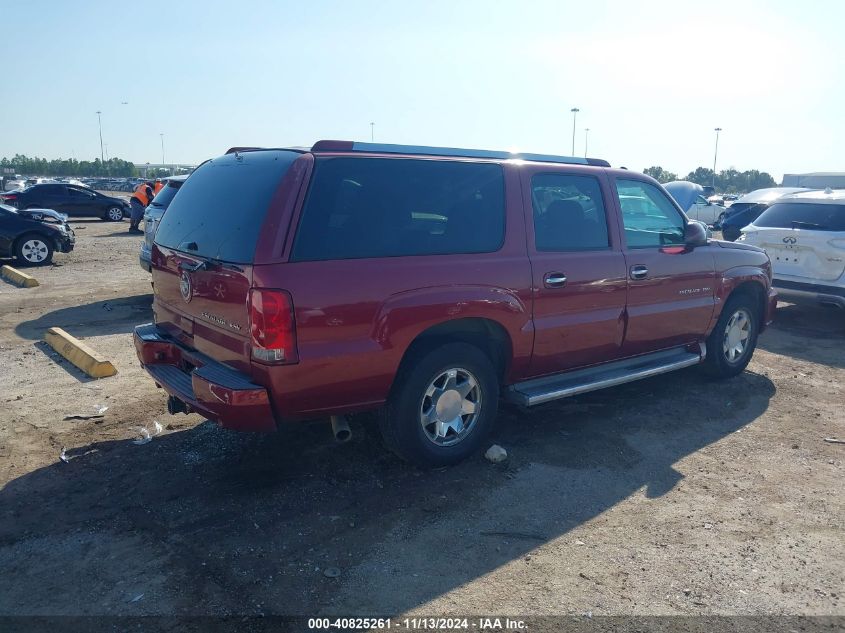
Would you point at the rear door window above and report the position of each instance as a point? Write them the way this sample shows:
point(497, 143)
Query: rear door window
point(382, 207)
point(569, 213)
point(165, 196)
point(800, 215)
point(649, 217)
point(221, 208)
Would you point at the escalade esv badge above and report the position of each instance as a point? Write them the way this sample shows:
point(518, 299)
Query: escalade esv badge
point(186, 288)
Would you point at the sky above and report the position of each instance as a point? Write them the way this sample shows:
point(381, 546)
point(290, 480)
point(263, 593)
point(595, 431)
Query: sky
point(651, 79)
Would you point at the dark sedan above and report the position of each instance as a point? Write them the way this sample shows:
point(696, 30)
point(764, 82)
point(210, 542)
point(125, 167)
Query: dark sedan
point(33, 235)
point(70, 200)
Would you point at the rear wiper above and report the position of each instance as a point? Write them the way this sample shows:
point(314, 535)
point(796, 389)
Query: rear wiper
point(807, 225)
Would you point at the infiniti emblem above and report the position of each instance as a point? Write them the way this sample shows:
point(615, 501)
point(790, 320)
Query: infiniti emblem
point(185, 286)
point(790, 240)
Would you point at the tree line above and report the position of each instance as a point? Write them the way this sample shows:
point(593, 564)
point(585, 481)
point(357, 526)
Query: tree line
point(727, 181)
point(35, 166)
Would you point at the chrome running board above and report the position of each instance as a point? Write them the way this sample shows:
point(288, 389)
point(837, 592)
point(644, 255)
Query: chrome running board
point(548, 388)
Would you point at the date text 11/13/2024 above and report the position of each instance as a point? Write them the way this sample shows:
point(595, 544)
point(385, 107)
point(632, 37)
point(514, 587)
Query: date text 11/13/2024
point(417, 624)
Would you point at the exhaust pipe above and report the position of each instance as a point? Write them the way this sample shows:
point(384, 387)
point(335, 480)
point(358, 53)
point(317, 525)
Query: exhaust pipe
point(174, 406)
point(340, 429)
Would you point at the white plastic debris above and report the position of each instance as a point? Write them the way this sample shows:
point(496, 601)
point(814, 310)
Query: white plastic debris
point(144, 434)
point(136, 598)
point(101, 409)
point(63, 456)
point(496, 454)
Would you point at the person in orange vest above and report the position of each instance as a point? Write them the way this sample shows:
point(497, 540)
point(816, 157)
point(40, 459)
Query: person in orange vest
point(158, 186)
point(138, 202)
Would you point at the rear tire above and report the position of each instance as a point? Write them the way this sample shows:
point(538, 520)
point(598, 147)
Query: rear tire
point(733, 340)
point(442, 406)
point(33, 249)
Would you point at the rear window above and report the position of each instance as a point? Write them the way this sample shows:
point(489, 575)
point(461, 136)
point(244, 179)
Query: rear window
point(221, 207)
point(378, 207)
point(165, 196)
point(792, 215)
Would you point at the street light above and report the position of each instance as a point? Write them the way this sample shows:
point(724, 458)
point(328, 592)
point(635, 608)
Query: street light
point(586, 138)
point(574, 112)
point(372, 132)
point(715, 154)
point(100, 124)
point(162, 148)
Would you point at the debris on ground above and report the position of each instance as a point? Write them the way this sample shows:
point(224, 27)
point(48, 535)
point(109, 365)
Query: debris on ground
point(833, 440)
point(496, 454)
point(136, 598)
point(84, 416)
point(144, 434)
point(63, 456)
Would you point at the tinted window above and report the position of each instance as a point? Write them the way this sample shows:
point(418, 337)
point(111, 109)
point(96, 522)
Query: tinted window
point(374, 207)
point(165, 195)
point(49, 190)
point(79, 193)
point(817, 217)
point(569, 213)
point(649, 217)
point(221, 207)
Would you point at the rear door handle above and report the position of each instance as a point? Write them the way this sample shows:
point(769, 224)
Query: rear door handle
point(639, 272)
point(554, 280)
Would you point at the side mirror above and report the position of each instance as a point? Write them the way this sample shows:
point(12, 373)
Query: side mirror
point(695, 234)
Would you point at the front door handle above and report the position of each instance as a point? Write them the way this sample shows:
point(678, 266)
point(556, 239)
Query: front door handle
point(554, 280)
point(639, 272)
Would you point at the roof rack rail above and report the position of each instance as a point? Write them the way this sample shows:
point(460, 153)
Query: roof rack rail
point(385, 148)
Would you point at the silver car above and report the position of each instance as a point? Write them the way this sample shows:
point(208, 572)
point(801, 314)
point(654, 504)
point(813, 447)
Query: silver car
point(152, 216)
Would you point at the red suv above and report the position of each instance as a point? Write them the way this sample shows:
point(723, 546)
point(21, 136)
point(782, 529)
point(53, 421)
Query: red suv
point(429, 282)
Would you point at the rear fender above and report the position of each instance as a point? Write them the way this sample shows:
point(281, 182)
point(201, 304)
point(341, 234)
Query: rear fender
point(406, 315)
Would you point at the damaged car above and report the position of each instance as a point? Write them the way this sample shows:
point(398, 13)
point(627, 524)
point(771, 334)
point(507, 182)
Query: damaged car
point(32, 235)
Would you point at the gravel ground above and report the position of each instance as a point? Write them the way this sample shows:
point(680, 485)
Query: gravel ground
point(674, 495)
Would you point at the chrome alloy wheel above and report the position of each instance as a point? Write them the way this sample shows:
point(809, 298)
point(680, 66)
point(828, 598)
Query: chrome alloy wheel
point(450, 407)
point(737, 335)
point(34, 251)
point(115, 214)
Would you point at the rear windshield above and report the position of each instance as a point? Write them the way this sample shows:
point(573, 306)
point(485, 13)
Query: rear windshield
point(165, 196)
point(220, 209)
point(792, 215)
point(376, 207)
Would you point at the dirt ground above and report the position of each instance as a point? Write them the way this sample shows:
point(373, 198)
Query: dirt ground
point(674, 495)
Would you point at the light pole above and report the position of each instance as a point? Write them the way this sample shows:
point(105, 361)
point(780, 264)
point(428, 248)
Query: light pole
point(715, 155)
point(162, 148)
point(100, 124)
point(372, 132)
point(574, 112)
point(586, 139)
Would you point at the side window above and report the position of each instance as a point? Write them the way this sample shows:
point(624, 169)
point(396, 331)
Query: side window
point(701, 200)
point(649, 217)
point(379, 207)
point(569, 213)
point(52, 190)
point(79, 193)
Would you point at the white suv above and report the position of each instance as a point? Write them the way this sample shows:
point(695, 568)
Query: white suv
point(804, 235)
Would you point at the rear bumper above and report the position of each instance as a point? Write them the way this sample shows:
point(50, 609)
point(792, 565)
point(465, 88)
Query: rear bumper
point(145, 259)
point(771, 306)
point(797, 292)
point(206, 386)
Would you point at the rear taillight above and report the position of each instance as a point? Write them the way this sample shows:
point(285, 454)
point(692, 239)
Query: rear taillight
point(272, 327)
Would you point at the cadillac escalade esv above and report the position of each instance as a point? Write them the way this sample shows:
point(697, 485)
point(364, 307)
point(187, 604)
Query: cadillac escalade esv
point(426, 283)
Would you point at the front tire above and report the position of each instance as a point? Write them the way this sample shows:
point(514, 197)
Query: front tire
point(34, 250)
point(733, 340)
point(443, 405)
point(113, 214)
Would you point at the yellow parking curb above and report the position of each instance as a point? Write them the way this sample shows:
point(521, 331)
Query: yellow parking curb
point(79, 353)
point(17, 277)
